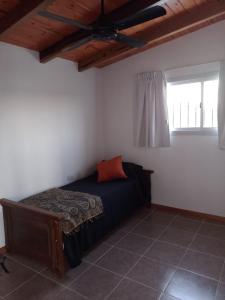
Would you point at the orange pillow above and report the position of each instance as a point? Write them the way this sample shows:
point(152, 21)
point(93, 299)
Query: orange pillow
point(111, 169)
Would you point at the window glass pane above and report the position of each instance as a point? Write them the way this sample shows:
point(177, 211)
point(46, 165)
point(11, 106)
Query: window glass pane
point(184, 105)
point(210, 103)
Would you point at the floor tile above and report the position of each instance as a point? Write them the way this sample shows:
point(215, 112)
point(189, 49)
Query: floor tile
point(217, 222)
point(39, 288)
point(18, 275)
point(209, 245)
point(203, 264)
point(142, 212)
point(220, 295)
point(69, 276)
point(114, 237)
point(161, 218)
point(96, 283)
point(118, 261)
point(190, 217)
point(186, 224)
point(154, 274)
point(166, 252)
point(129, 224)
point(176, 236)
point(68, 295)
point(168, 297)
point(135, 243)
point(188, 286)
point(129, 290)
point(222, 279)
point(31, 263)
point(213, 230)
point(96, 252)
point(149, 229)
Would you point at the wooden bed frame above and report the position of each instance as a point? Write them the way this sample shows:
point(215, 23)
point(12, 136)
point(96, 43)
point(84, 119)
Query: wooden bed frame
point(26, 226)
point(37, 233)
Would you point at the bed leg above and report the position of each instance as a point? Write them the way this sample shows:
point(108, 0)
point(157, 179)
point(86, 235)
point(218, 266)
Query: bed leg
point(2, 263)
point(58, 260)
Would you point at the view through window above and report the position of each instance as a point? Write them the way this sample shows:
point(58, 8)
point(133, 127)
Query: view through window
point(193, 104)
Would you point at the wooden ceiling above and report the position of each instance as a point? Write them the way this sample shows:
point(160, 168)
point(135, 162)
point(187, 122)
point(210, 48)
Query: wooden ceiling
point(20, 25)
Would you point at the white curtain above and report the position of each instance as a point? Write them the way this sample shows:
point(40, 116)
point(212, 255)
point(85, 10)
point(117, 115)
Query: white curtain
point(221, 107)
point(151, 116)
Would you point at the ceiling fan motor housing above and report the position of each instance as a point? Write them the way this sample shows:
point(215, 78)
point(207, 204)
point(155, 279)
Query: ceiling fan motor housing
point(104, 33)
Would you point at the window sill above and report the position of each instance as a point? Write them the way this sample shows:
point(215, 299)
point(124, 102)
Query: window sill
point(200, 131)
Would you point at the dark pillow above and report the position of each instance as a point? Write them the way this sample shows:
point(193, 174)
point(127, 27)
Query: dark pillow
point(131, 169)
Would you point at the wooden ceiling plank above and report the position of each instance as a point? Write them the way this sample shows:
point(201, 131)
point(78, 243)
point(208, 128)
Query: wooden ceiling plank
point(172, 28)
point(25, 9)
point(188, 5)
point(175, 6)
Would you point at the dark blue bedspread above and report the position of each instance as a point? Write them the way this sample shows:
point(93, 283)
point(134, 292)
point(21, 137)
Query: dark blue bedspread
point(120, 198)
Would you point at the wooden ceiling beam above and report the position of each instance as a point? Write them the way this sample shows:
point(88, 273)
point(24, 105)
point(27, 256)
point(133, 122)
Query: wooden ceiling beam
point(169, 29)
point(25, 9)
point(63, 45)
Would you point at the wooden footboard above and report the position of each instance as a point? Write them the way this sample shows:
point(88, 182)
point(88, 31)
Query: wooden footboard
point(35, 233)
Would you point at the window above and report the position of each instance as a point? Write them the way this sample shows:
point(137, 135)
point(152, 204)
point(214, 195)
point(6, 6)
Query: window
point(192, 103)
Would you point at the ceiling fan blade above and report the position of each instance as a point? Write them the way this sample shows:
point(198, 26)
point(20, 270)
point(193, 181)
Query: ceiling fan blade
point(79, 43)
point(65, 20)
point(131, 8)
point(139, 18)
point(74, 41)
point(132, 42)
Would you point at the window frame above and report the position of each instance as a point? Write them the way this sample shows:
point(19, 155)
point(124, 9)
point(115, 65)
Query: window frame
point(192, 79)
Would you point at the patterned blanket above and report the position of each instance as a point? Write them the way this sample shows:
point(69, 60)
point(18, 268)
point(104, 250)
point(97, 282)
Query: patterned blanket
point(75, 207)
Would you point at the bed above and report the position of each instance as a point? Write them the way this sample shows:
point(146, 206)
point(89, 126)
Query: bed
point(37, 233)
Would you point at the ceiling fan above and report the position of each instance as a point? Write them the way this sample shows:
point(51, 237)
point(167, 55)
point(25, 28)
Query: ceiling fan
point(107, 26)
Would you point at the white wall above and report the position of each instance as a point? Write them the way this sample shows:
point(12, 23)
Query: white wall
point(191, 173)
point(49, 123)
